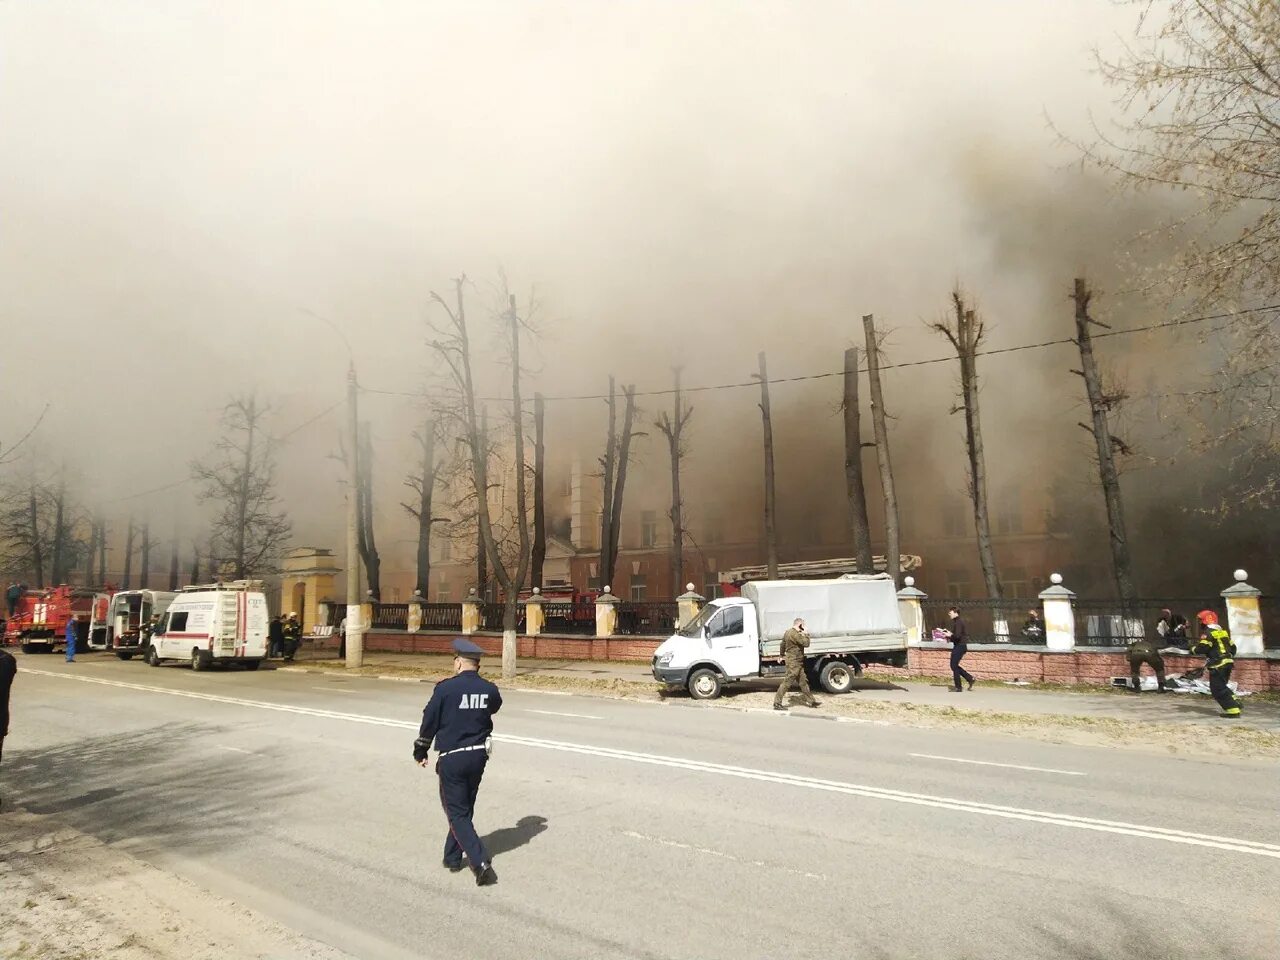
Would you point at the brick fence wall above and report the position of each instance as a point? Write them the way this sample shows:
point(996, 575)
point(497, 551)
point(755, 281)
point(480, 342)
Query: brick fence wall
point(984, 662)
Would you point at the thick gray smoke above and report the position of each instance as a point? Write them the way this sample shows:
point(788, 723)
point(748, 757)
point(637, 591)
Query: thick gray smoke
point(186, 186)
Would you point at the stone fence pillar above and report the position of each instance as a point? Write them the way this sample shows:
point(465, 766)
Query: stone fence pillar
point(414, 621)
point(1244, 616)
point(1059, 617)
point(471, 613)
point(911, 612)
point(534, 620)
point(606, 614)
point(688, 605)
point(366, 610)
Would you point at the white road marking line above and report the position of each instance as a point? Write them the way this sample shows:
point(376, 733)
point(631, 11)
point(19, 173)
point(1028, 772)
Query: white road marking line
point(549, 693)
point(234, 749)
point(556, 713)
point(1232, 844)
point(707, 851)
point(989, 763)
point(334, 688)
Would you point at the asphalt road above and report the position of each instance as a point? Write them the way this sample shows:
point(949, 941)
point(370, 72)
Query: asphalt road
point(638, 830)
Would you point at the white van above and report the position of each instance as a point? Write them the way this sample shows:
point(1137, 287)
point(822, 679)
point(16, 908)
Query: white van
point(220, 623)
point(740, 638)
point(117, 624)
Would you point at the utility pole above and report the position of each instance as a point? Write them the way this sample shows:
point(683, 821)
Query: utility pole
point(1108, 475)
point(770, 497)
point(173, 560)
point(879, 421)
point(355, 626)
point(855, 489)
point(144, 576)
point(539, 556)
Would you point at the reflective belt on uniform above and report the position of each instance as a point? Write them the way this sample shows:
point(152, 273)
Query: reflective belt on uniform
point(478, 746)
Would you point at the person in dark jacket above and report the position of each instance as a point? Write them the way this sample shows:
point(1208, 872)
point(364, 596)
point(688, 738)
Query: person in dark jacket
point(12, 596)
point(1219, 652)
point(275, 638)
point(1171, 628)
point(959, 634)
point(459, 719)
point(1033, 629)
point(8, 670)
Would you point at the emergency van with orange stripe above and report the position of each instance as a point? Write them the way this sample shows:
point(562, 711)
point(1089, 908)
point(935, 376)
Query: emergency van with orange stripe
point(218, 623)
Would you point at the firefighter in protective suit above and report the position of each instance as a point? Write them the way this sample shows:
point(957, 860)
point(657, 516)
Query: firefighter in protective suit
point(1219, 652)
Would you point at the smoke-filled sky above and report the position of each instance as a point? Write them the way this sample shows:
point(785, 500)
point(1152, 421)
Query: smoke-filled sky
point(183, 185)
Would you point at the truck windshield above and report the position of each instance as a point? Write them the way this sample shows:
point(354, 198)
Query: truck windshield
point(694, 627)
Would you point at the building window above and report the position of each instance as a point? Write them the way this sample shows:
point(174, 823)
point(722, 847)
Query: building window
point(712, 590)
point(442, 590)
point(1015, 582)
point(649, 528)
point(958, 585)
point(638, 586)
point(445, 552)
point(953, 524)
point(1009, 513)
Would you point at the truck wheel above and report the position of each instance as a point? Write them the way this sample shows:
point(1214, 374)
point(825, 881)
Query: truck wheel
point(124, 656)
point(252, 664)
point(28, 648)
point(153, 657)
point(836, 676)
point(705, 684)
point(197, 661)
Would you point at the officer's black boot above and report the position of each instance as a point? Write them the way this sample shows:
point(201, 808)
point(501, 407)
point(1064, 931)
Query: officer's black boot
point(453, 867)
point(485, 875)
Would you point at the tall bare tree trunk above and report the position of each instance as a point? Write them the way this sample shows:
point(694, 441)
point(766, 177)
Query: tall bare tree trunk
point(58, 572)
point(102, 552)
point(539, 556)
point(606, 502)
point(1108, 475)
point(880, 424)
point(37, 548)
point(770, 495)
point(128, 558)
point(620, 478)
point(482, 552)
point(174, 576)
point(91, 554)
point(195, 563)
point(423, 512)
point(144, 573)
point(855, 489)
point(673, 429)
point(367, 539)
point(242, 495)
point(515, 581)
point(966, 337)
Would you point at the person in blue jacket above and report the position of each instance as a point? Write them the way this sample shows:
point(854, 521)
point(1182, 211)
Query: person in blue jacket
point(73, 627)
point(459, 718)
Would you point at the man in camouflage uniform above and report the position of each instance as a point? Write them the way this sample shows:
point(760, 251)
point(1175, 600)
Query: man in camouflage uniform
point(794, 643)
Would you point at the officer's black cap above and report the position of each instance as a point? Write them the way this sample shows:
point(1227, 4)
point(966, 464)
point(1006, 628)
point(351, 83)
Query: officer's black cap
point(467, 649)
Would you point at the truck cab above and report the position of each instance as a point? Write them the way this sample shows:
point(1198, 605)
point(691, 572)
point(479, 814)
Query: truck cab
point(720, 644)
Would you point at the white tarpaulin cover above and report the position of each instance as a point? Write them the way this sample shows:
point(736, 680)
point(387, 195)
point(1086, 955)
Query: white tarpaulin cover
point(853, 612)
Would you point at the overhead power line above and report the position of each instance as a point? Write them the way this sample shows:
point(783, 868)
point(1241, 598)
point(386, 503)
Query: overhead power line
point(755, 383)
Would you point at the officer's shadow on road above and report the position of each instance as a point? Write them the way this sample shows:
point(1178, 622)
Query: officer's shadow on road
point(512, 838)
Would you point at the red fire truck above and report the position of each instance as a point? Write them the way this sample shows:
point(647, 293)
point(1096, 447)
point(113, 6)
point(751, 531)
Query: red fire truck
point(39, 623)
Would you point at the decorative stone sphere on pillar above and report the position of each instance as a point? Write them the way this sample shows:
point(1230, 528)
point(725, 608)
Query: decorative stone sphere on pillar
point(1059, 615)
point(688, 605)
point(1244, 615)
point(606, 614)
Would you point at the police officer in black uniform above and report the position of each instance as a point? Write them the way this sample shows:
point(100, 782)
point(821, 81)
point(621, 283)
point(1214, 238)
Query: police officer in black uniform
point(459, 717)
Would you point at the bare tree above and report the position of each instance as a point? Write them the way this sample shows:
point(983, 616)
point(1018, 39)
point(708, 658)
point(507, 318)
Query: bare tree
point(672, 427)
point(620, 477)
point(144, 565)
point(127, 578)
point(25, 531)
point(59, 564)
point(965, 332)
point(855, 489)
point(770, 499)
point(366, 538)
point(607, 464)
point(423, 484)
point(174, 563)
point(452, 343)
point(1199, 83)
point(249, 531)
point(539, 557)
point(880, 424)
point(1100, 403)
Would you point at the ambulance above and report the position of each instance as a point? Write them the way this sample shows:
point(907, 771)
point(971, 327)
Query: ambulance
point(218, 623)
point(118, 621)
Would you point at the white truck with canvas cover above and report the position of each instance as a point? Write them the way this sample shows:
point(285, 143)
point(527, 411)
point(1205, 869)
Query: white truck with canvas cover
point(221, 623)
point(740, 638)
